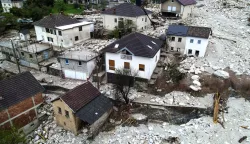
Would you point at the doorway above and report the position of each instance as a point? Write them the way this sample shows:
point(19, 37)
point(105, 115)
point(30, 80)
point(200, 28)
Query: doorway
point(197, 53)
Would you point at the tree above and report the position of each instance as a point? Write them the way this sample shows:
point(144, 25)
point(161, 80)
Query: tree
point(125, 79)
point(17, 11)
point(60, 5)
point(12, 136)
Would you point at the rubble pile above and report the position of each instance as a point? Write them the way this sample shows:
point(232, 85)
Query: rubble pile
point(196, 86)
point(176, 98)
point(229, 43)
point(201, 130)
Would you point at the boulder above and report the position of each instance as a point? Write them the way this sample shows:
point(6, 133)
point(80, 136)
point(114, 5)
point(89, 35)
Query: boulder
point(195, 77)
point(222, 74)
point(195, 88)
point(197, 83)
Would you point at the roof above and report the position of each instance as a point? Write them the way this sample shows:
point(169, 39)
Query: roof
point(137, 43)
point(80, 23)
point(36, 48)
point(183, 2)
point(79, 55)
point(95, 109)
point(80, 96)
point(24, 31)
point(18, 88)
point(178, 30)
point(192, 31)
point(55, 20)
point(202, 32)
point(127, 10)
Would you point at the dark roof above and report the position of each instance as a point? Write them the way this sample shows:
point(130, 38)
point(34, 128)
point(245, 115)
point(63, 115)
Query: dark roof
point(24, 31)
point(18, 88)
point(192, 31)
point(202, 32)
point(80, 96)
point(95, 109)
point(177, 30)
point(183, 2)
point(55, 20)
point(137, 43)
point(126, 9)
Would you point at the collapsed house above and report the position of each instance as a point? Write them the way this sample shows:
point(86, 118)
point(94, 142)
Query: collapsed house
point(188, 40)
point(19, 98)
point(83, 106)
point(177, 8)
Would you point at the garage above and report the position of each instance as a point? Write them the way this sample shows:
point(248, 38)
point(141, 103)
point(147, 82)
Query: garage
point(75, 75)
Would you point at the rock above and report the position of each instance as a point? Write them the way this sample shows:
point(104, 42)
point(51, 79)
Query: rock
point(85, 130)
point(111, 121)
point(195, 77)
point(37, 138)
point(197, 83)
point(195, 88)
point(222, 74)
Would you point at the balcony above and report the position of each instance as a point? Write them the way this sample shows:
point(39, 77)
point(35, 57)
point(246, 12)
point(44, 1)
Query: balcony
point(126, 57)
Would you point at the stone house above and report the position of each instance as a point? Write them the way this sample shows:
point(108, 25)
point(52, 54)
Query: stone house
point(78, 64)
point(126, 12)
point(177, 8)
point(62, 31)
point(135, 52)
point(19, 98)
point(8, 4)
point(188, 40)
point(83, 106)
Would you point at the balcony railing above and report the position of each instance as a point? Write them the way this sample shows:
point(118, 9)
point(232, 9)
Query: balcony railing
point(127, 57)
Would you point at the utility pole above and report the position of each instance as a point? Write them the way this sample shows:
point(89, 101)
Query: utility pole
point(17, 59)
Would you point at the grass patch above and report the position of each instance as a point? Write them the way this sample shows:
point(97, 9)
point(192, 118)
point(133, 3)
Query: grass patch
point(70, 9)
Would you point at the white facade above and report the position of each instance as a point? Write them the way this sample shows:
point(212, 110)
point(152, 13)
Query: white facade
point(8, 4)
point(111, 21)
point(149, 64)
point(196, 46)
point(24, 36)
point(65, 36)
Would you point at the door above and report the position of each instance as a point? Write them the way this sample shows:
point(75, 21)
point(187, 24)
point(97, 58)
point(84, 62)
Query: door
point(173, 8)
point(197, 53)
point(169, 8)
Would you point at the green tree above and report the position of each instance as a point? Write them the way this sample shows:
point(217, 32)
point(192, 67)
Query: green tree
point(12, 136)
point(60, 5)
point(17, 11)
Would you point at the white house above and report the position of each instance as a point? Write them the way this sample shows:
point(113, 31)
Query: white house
point(136, 52)
point(62, 31)
point(8, 4)
point(78, 64)
point(126, 11)
point(188, 40)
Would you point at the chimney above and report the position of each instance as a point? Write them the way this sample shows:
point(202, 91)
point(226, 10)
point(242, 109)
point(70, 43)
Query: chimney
point(138, 3)
point(114, 11)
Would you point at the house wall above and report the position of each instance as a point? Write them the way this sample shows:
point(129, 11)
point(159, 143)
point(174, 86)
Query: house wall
point(110, 24)
point(195, 46)
point(165, 5)
point(175, 44)
point(24, 37)
point(187, 11)
point(67, 39)
point(22, 113)
point(70, 123)
point(7, 5)
point(36, 57)
point(150, 64)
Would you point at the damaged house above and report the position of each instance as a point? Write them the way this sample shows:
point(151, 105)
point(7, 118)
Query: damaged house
point(126, 13)
point(177, 8)
point(83, 106)
point(62, 31)
point(19, 98)
point(135, 52)
point(188, 40)
point(78, 64)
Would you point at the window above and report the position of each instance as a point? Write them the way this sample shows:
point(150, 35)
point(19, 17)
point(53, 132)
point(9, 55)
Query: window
point(189, 51)
point(178, 49)
point(51, 31)
point(126, 65)
point(80, 28)
point(55, 32)
point(199, 41)
point(31, 56)
point(115, 20)
point(173, 38)
point(197, 53)
point(67, 114)
point(191, 41)
point(142, 19)
point(76, 38)
point(129, 22)
point(172, 48)
point(142, 28)
point(179, 39)
point(60, 33)
point(59, 110)
point(64, 123)
point(146, 19)
point(22, 53)
point(141, 67)
point(156, 59)
point(172, 0)
point(66, 61)
point(47, 30)
point(50, 39)
point(79, 63)
point(111, 65)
